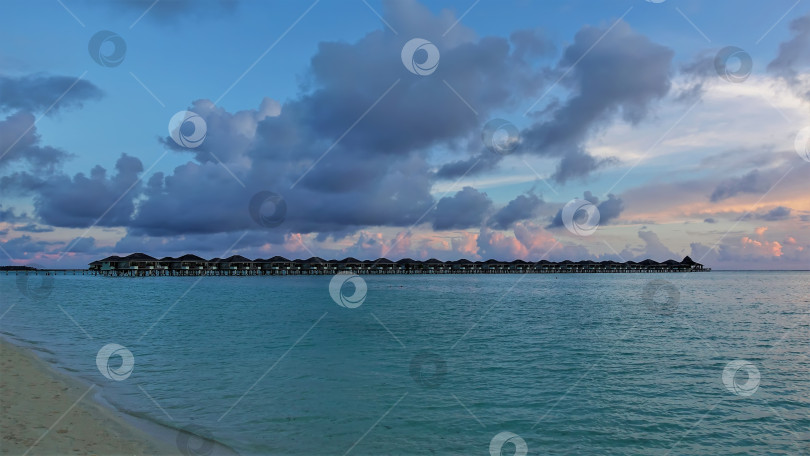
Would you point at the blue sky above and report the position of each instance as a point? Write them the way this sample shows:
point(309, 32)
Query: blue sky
point(695, 164)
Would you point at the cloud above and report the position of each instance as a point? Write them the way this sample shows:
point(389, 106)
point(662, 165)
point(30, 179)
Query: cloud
point(523, 207)
point(624, 75)
point(653, 249)
point(496, 244)
point(19, 142)
point(609, 210)
point(378, 173)
point(33, 228)
point(354, 149)
point(81, 201)
point(794, 54)
point(8, 215)
point(777, 213)
point(752, 182)
point(24, 247)
point(465, 209)
point(753, 252)
point(39, 92)
point(486, 161)
point(83, 245)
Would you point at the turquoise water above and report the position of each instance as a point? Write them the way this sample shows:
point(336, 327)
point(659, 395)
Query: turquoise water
point(572, 364)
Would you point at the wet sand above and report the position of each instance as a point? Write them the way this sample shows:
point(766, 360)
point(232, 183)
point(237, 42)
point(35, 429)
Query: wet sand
point(43, 412)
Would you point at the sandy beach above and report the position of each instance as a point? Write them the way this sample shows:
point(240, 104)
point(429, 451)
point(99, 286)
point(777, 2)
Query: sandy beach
point(43, 412)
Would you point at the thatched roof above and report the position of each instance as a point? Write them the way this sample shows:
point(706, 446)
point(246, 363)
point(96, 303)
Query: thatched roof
point(190, 257)
point(139, 257)
point(234, 259)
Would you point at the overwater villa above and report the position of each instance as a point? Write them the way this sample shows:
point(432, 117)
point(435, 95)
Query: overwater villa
point(140, 264)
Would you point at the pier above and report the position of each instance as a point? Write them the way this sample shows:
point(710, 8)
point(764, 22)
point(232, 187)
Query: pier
point(142, 265)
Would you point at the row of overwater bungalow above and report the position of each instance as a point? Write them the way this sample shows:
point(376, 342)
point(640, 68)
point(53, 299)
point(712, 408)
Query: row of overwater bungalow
point(140, 264)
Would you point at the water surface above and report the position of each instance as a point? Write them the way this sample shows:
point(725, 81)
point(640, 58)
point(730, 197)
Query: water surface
point(573, 364)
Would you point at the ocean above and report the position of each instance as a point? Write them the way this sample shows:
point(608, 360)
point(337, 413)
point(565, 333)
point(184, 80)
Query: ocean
point(585, 364)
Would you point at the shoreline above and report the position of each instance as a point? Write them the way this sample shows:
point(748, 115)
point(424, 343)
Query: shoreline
point(44, 411)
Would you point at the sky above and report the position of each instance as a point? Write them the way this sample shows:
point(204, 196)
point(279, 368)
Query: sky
point(478, 129)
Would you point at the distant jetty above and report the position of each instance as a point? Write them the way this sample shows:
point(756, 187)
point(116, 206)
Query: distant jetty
point(140, 264)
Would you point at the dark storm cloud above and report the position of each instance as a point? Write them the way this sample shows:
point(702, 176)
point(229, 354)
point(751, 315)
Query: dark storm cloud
point(37, 92)
point(609, 209)
point(465, 209)
point(752, 182)
point(621, 74)
point(524, 207)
